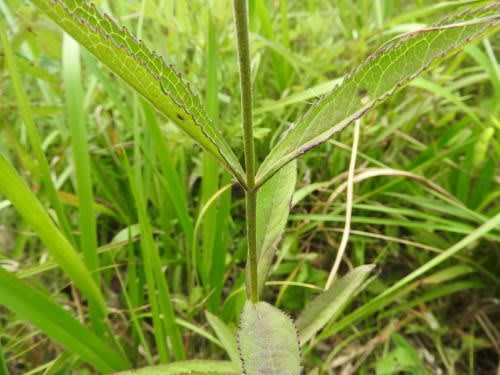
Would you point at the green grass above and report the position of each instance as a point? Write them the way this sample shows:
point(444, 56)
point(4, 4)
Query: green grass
point(112, 210)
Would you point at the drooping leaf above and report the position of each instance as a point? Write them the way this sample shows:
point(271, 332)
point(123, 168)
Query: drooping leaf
point(268, 341)
point(30, 208)
point(57, 323)
point(330, 303)
point(382, 74)
point(193, 367)
point(273, 206)
point(144, 70)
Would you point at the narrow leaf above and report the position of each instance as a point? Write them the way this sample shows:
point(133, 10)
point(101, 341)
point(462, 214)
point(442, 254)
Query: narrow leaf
point(330, 303)
point(379, 301)
point(392, 67)
point(268, 341)
point(80, 151)
point(57, 323)
point(273, 206)
point(225, 335)
point(30, 208)
point(144, 70)
point(194, 367)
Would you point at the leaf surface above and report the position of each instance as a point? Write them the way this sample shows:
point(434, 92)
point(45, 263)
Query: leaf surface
point(330, 303)
point(193, 367)
point(144, 70)
point(268, 341)
point(382, 74)
point(273, 206)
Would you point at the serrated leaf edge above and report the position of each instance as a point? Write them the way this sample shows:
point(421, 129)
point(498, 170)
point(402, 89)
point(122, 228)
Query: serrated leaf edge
point(320, 103)
point(196, 117)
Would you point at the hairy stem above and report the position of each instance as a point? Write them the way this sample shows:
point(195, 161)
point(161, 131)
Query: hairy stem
point(241, 22)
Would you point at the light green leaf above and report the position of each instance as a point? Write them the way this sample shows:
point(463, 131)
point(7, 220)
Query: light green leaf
point(144, 70)
point(225, 335)
point(404, 358)
point(268, 341)
point(392, 67)
point(30, 208)
point(330, 303)
point(194, 367)
point(57, 323)
point(273, 205)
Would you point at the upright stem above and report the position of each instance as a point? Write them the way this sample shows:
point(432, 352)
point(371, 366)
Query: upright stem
point(241, 22)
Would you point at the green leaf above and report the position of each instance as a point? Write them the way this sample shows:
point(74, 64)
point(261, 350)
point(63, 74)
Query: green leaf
point(57, 323)
point(273, 205)
point(30, 208)
point(382, 74)
point(268, 341)
point(330, 303)
point(145, 71)
point(194, 367)
point(404, 358)
point(225, 335)
point(380, 300)
point(82, 166)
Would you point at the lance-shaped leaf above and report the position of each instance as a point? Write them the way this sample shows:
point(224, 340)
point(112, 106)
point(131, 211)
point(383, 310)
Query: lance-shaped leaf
point(268, 341)
point(273, 206)
point(392, 67)
point(330, 303)
point(194, 367)
point(30, 208)
point(144, 70)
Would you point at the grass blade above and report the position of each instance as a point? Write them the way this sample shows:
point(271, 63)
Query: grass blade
point(16, 190)
point(58, 324)
point(74, 99)
point(33, 135)
point(158, 289)
point(378, 301)
point(3, 365)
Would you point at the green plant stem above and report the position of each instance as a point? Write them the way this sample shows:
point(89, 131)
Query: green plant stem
point(251, 209)
point(241, 22)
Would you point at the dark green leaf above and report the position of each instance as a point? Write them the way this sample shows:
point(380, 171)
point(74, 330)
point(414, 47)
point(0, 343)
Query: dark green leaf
point(144, 70)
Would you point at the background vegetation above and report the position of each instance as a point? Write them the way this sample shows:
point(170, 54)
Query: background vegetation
point(427, 174)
